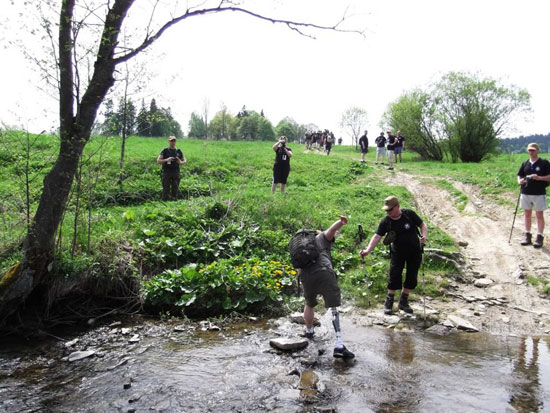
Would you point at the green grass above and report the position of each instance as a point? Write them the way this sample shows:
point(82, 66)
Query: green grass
point(228, 216)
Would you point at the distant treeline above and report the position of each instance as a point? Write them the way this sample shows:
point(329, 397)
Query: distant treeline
point(519, 145)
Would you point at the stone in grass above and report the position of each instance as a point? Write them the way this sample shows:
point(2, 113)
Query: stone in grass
point(289, 344)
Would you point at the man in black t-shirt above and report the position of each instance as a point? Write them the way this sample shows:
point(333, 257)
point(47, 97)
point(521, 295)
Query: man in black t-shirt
point(170, 158)
point(281, 167)
point(380, 142)
point(364, 145)
point(534, 177)
point(406, 248)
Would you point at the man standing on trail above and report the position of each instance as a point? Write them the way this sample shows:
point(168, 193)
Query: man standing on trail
point(380, 142)
point(534, 177)
point(364, 144)
point(400, 225)
point(319, 278)
point(171, 158)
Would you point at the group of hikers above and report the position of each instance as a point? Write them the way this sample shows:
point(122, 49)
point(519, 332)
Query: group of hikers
point(393, 144)
point(401, 228)
point(321, 140)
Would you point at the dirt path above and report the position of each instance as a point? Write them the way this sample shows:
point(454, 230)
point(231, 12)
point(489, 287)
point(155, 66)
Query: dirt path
point(510, 304)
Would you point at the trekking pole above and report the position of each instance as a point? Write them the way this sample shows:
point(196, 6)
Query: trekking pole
point(423, 286)
point(515, 213)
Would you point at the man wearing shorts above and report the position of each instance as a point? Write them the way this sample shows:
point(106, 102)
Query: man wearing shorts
point(399, 146)
point(534, 177)
point(319, 279)
point(380, 142)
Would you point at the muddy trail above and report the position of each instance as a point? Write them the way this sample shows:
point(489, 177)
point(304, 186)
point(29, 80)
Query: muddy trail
point(493, 291)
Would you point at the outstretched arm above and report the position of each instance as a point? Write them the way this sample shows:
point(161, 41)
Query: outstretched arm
point(372, 244)
point(331, 232)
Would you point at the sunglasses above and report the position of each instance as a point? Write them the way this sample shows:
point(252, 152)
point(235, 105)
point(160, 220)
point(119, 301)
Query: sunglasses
point(391, 209)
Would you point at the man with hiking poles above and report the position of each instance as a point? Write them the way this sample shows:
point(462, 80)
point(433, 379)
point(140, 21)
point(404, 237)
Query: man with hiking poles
point(400, 226)
point(534, 177)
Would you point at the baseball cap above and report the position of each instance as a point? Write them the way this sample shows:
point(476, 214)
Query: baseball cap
point(390, 202)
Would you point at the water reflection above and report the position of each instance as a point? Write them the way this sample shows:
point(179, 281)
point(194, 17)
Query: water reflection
point(525, 391)
point(236, 370)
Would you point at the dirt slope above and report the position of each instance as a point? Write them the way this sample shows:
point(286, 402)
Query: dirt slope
point(510, 304)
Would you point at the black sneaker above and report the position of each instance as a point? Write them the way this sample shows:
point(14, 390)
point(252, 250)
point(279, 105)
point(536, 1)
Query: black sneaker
point(343, 353)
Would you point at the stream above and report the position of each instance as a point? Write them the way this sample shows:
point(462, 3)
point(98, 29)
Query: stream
point(144, 365)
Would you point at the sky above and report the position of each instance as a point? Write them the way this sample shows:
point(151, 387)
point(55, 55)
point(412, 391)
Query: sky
point(234, 60)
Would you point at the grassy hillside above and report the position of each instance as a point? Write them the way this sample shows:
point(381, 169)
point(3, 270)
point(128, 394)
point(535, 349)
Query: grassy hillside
point(224, 246)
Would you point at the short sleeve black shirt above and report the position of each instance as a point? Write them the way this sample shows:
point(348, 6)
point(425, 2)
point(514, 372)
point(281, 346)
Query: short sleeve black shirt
point(364, 140)
point(380, 141)
point(391, 142)
point(169, 153)
point(542, 168)
point(405, 230)
point(281, 158)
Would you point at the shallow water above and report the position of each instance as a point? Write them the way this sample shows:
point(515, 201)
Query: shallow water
point(235, 370)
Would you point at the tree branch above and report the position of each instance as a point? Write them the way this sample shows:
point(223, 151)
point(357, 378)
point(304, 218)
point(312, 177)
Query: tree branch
point(292, 25)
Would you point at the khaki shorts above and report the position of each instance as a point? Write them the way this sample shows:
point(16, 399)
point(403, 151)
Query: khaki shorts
point(536, 202)
point(322, 282)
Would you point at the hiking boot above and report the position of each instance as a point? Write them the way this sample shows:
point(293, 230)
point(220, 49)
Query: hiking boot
point(538, 242)
point(388, 305)
point(527, 240)
point(404, 305)
point(343, 353)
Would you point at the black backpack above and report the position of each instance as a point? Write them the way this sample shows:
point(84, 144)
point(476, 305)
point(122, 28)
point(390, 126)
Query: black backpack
point(303, 248)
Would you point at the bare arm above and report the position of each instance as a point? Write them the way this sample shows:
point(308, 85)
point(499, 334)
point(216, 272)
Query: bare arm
point(331, 232)
point(424, 232)
point(372, 244)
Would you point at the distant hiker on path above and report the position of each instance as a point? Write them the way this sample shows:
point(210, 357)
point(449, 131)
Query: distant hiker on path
point(399, 146)
point(534, 177)
point(319, 278)
point(281, 167)
point(171, 158)
point(364, 144)
point(329, 143)
point(400, 225)
point(380, 142)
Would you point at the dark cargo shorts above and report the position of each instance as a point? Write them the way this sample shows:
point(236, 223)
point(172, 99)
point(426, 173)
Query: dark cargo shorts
point(322, 282)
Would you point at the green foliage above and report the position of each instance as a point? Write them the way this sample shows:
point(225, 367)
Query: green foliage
point(222, 286)
point(461, 114)
point(288, 127)
point(153, 122)
point(197, 127)
point(414, 115)
point(219, 125)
